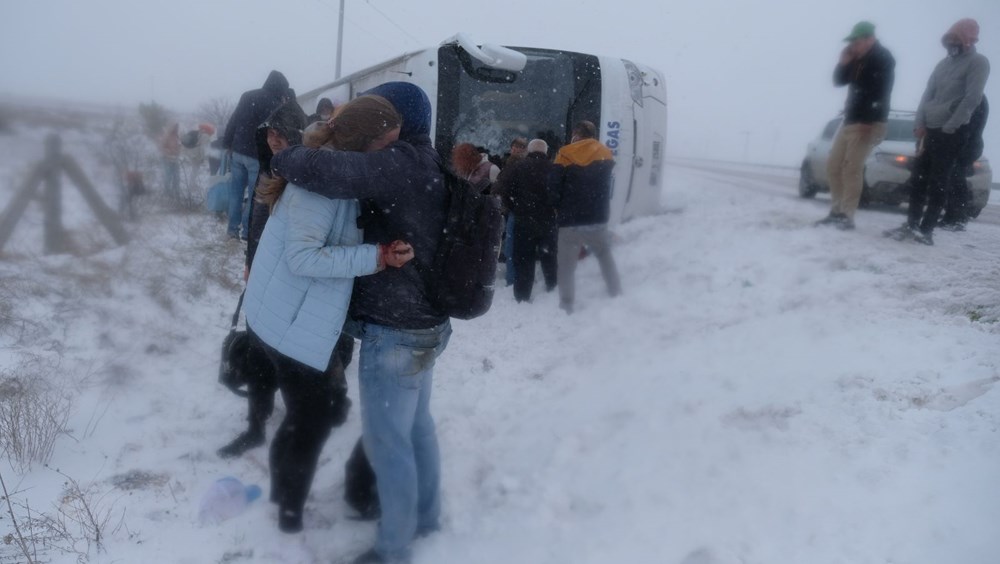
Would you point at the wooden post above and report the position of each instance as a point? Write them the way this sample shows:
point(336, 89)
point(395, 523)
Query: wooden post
point(55, 235)
point(14, 211)
point(49, 171)
point(106, 215)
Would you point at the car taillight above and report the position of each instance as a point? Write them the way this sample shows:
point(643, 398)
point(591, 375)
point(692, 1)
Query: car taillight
point(981, 165)
point(902, 161)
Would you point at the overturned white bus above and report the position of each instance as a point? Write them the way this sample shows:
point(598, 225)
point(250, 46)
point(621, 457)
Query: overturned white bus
point(487, 95)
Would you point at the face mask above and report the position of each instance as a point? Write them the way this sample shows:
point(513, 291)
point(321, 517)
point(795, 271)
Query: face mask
point(954, 50)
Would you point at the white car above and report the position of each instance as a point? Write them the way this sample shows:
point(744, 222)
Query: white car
point(887, 168)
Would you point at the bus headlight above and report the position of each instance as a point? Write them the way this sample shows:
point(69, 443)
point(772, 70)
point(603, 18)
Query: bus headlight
point(634, 81)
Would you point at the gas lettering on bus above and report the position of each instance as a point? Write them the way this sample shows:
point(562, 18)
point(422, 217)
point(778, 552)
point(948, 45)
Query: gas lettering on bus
point(612, 134)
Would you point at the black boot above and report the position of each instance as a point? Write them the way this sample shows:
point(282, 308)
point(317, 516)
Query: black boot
point(289, 521)
point(900, 233)
point(369, 557)
point(834, 220)
point(924, 237)
point(252, 437)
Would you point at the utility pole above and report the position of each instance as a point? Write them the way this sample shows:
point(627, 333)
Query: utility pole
point(340, 40)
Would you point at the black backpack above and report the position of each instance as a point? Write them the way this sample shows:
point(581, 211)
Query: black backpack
point(464, 272)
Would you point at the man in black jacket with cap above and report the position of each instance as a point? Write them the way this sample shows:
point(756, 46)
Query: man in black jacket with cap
point(868, 70)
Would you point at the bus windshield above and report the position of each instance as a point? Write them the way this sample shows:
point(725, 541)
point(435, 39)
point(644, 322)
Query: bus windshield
point(489, 108)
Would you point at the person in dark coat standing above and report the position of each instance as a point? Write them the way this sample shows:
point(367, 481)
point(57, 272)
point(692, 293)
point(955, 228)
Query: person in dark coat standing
point(518, 147)
point(240, 139)
point(868, 70)
point(524, 191)
point(403, 196)
point(324, 110)
point(957, 210)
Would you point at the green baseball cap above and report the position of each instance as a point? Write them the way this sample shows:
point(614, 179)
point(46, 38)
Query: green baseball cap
point(861, 29)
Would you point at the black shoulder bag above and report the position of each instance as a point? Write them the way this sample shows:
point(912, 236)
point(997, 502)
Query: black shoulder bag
point(234, 367)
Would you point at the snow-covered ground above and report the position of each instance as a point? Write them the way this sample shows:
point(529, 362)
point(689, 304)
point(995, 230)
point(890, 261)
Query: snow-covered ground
point(765, 392)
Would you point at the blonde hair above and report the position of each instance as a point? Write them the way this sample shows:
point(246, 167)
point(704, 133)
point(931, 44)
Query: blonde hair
point(356, 125)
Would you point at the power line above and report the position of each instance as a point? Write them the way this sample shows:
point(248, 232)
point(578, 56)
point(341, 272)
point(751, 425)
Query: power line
point(400, 28)
point(353, 23)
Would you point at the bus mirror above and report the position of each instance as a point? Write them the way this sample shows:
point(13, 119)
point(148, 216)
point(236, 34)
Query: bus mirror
point(493, 56)
point(504, 58)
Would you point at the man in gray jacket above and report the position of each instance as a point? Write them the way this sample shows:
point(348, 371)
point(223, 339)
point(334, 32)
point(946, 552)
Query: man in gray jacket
point(953, 92)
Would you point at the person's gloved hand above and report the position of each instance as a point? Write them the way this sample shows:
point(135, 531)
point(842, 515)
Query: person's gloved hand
point(394, 254)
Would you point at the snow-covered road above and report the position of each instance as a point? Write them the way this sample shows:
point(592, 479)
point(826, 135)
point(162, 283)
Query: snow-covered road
point(779, 180)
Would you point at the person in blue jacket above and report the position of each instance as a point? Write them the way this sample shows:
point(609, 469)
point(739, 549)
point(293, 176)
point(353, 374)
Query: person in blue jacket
point(297, 297)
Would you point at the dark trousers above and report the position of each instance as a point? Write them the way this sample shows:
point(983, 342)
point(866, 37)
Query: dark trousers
point(936, 164)
point(263, 383)
point(958, 202)
point(959, 199)
point(534, 241)
point(261, 386)
point(314, 404)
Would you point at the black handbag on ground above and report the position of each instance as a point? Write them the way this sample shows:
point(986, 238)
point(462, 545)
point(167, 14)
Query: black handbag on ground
point(234, 366)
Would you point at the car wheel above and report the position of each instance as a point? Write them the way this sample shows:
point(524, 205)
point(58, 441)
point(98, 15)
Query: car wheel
point(807, 186)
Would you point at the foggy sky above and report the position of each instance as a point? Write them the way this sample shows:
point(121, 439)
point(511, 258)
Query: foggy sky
point(745, 79)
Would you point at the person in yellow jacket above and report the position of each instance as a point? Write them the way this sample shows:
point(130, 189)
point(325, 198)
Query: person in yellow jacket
point(580, 187)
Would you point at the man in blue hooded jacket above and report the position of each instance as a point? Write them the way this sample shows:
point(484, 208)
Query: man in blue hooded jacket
point(403, 196)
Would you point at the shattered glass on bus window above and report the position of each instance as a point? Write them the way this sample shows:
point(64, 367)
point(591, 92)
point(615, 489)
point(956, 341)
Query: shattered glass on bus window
point(491, 114)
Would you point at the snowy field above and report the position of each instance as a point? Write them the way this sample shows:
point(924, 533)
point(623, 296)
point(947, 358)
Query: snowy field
point(765, 392)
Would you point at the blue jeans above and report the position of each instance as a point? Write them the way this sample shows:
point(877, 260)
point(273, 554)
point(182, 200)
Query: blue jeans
point(244, 171)
point(395, 375)
point(172, 179)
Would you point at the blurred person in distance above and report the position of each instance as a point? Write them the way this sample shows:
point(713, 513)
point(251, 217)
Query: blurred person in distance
point(170, 153)
point(324, 110)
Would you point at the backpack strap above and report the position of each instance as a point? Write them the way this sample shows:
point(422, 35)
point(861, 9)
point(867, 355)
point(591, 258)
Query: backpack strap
point(423, 268)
